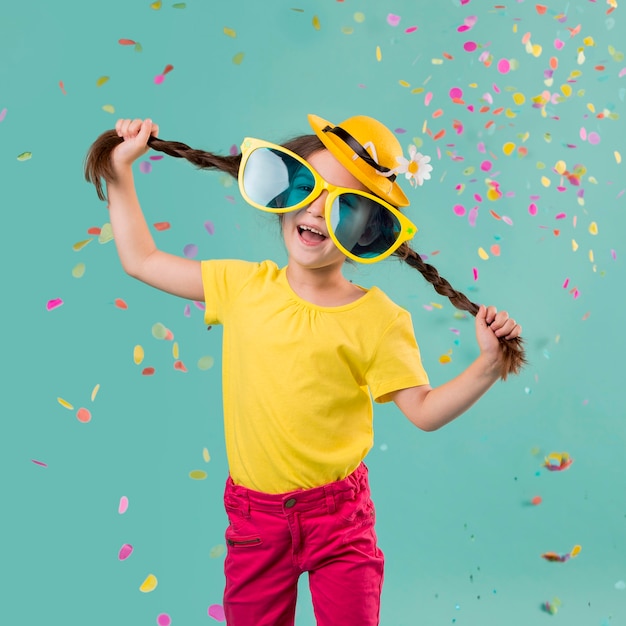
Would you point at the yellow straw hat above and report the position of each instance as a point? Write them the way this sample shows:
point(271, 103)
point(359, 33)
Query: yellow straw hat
point(368, 150)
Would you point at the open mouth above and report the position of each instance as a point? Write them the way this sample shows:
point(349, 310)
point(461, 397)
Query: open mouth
point(310, 234)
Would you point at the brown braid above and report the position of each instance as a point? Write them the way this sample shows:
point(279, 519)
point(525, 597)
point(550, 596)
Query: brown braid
point(98, 161)
point(514, 357)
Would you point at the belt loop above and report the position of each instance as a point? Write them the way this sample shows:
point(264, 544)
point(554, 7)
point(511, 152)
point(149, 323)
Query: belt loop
point(330, 499)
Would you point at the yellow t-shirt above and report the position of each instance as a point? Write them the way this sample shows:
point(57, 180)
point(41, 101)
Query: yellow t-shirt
point(297, 377)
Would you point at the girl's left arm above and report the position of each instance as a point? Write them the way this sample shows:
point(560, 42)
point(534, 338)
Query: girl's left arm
point(431, 408)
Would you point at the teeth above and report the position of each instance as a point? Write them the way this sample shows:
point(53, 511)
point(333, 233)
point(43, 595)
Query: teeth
point(313, 230)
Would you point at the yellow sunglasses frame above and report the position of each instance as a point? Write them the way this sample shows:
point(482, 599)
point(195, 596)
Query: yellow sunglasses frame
point(408, 229)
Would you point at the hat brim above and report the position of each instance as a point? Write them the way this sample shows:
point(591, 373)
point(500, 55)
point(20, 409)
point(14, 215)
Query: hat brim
point(377, 183)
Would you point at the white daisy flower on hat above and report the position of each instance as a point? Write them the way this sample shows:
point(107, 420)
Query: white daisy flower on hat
point(416, 168)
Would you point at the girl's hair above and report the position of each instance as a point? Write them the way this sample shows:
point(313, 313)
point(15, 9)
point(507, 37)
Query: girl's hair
point(98, 166)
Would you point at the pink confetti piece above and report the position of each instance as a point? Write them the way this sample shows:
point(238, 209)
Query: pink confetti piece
point(475, 273)
point(613, 254)
point(199, 305)
point(209, 227)
point(455, 93)
point(145, 167)
point(560, 216)
point(622, 73)
point(459, 210)
point(123, 505)
point(485, 166)
point(473, 214)
point(565, 283)
point(55, 303)
point(41, 463)
point(156, 157)
point(583, 134)
point(164, 619)
point(393, 20)
point(3, 114)
point(504, 66)
point(427, 98)
point(593, 138)
point(470, 46)
point(558, 44)
point(410, 29)
point(125, 551)
point(159, 78)
point(532, 208)
point(187, 311)
point(216, 611)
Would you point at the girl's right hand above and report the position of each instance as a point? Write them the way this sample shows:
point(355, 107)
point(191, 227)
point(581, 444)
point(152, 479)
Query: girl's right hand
point(135, 134)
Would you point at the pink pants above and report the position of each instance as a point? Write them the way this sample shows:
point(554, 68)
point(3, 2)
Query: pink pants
point(327, 531)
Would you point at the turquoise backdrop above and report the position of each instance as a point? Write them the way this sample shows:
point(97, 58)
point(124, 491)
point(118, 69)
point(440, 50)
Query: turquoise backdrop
point(520, 106)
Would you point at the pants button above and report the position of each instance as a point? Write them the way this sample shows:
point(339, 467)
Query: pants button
point(290, 503)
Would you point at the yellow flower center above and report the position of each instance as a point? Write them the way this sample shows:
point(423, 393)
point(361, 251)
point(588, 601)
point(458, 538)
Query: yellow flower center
point(413, 167)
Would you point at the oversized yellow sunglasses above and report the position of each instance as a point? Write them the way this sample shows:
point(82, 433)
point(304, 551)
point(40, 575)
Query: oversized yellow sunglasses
point(364, 227)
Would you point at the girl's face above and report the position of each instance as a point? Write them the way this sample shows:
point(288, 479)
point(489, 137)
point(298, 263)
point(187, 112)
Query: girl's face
point(305, 231)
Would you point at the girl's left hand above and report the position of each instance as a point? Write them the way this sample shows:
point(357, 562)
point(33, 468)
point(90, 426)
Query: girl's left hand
point(491, 326)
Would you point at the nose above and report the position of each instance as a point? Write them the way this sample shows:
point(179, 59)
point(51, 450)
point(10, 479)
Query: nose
point(317, 206)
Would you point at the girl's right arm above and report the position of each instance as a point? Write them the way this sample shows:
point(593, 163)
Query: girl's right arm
point(138, 253)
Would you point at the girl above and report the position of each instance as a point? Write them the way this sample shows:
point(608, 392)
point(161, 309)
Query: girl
point(305, 350)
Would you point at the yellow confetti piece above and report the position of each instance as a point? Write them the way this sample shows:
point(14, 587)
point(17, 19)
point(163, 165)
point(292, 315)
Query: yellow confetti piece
point(101, 81)
point(593, 228)
point(591, 256)
point(78, 271)
point(403, 83)
point(106, 233)
point(175, 351)
point(197, 474)
point(588, 41)
point(510, 113)
point(545, 181)
point(65, 403)
point(445, 358)
point(149, 584)
point(108, 108)
point(575, 550)
point(519, 98)
point(436, 305)
point(25, 156)
point(574, 245)
point(94, 392)
point(229, 32)
point(238, 58)
point(618, 157)
point(493, 194)
point(580, 59)
point(483, 254)
point(560, 167)
point(536, 50)
point(359, 17)
point(79, 245)
point(138, 354)
point(566, 90)
point(437, 61)
point(379, 54)
point(205, 455)
point(316, 22)
point(156, 5)
point(591, 107)
point(508, 148)
point(206, 362)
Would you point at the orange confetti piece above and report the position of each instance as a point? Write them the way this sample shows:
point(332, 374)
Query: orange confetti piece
point(438, 113)
point(94, 230)
point(168, 69)
point(495, 215)
point(148, 371)
point(126, 42)
point(162, 225)
point(83, 415)
point(541, 8)
point(448, 56)
point(574, 31)
point(180, 366)
point(120, 304)
point(62, 86)
point(495, 249)
point(440, 134)
point(536, 500)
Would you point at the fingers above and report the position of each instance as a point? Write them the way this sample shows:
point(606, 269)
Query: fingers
point(136, 128)
point(500, 322)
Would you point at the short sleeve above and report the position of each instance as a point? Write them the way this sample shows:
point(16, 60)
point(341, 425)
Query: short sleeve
point(222, 281)
point(397, 363)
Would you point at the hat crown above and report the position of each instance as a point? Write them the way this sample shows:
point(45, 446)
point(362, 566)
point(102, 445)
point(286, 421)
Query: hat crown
point(381, 144)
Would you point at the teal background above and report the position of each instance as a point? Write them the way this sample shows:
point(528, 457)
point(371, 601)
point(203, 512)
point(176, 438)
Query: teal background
point(463, 543)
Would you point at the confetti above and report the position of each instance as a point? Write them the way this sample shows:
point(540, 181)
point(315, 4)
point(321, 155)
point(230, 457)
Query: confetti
point(190, 250)
point(55, 303)
point(40, 463)
point(316, 22)
point(125, 551)
point(198, 474)
point(206, 362)
point(138, 355)
point(162, 226)
point(3, 114)
point(163, 619)
point(561, 558)
point(25, 156)
point(126, 42)
point(83, 415)
point(120, 304)
point(106, 234)
point(149, 584)
point(180, 366)
point(216, 611)
point(558, 461)
point(209, 227)
point(217, 551)
point(65, 403)
point(78, 271)
point(229, 32)
point(101, 81)
point(94, 392)
point(79, 245)
point(148, 371)
point(238, 58)
point(393, 20)
point(205, 455)
point(123, 505)
point(536, 500)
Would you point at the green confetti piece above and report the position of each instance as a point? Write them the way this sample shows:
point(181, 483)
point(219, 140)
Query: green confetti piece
point(25, 156)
